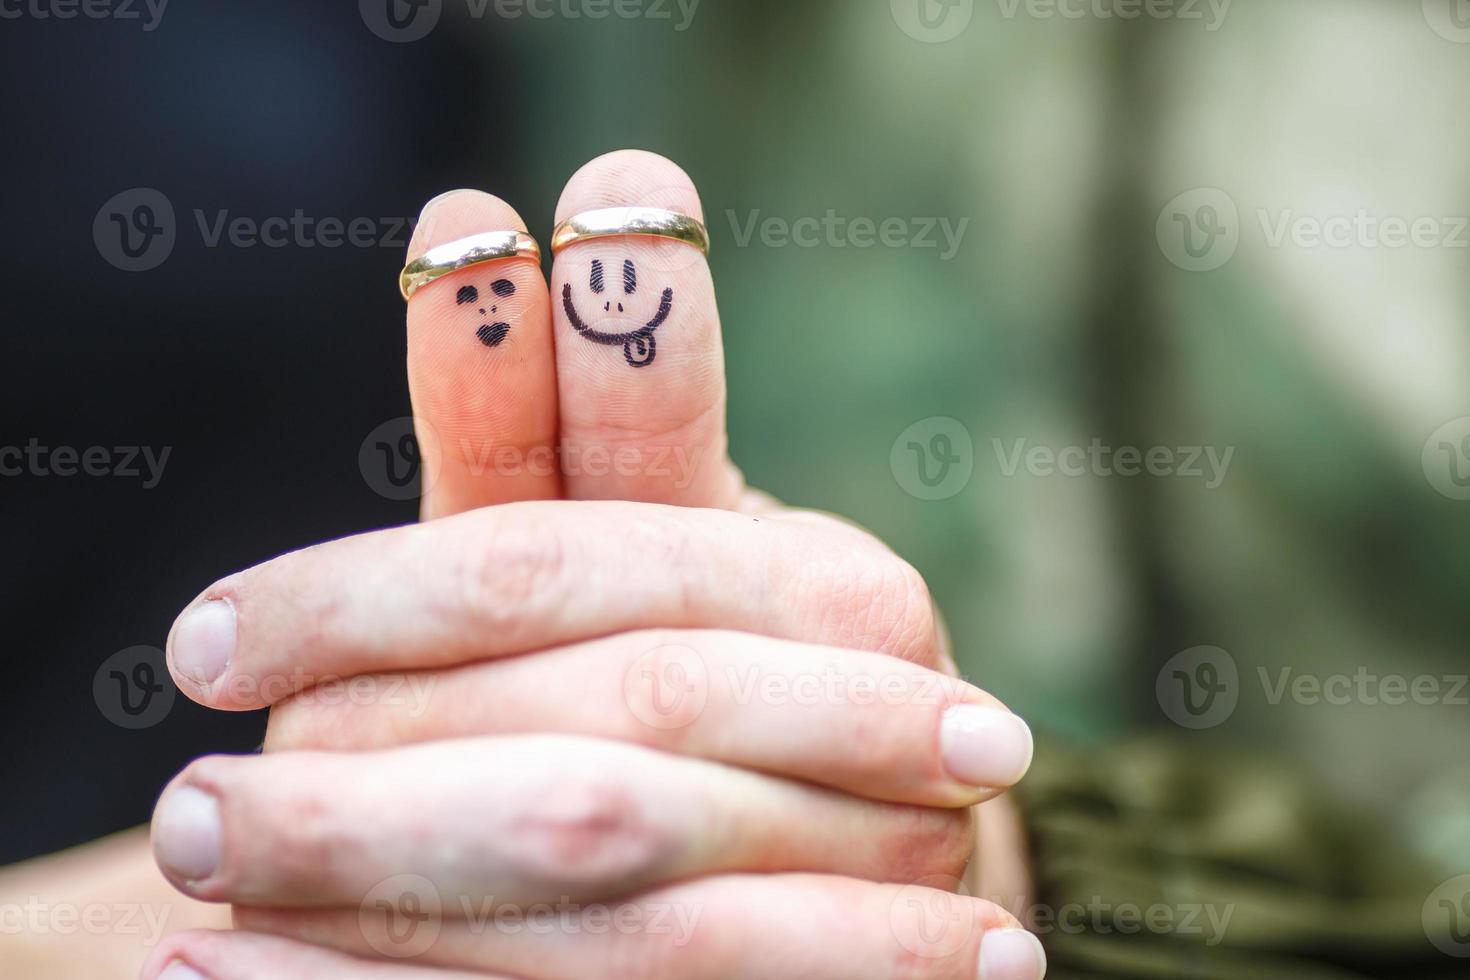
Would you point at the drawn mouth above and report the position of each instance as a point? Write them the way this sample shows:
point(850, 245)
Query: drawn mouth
point(491, 334)
point(639, 347)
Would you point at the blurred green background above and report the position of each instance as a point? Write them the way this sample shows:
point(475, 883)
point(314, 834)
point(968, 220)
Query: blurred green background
point(1326, 549)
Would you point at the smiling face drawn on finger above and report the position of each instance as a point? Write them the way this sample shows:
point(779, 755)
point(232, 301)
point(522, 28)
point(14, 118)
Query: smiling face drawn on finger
point(639, 346)
point(493, 332)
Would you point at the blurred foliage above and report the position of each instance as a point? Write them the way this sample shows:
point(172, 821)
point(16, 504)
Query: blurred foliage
point(1061, 320)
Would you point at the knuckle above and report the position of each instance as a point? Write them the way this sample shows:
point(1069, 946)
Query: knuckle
point(312, 843)
point(909, 606)
point(885, 606)
point(669, 543)
point(679, 550)
point(509, 573)
point(589, 834)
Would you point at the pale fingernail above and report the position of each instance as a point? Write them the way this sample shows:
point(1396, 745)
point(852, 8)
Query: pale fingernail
point(1011, 954)
point(179, 970)
point(985, 746)
point(204, 641)
point(186, 834)
point(423, 229)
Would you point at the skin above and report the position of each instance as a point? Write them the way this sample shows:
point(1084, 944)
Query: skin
point(547, 614)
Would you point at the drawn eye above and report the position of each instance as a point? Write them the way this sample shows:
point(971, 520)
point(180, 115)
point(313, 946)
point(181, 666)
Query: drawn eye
point(467, 294)
point(503, 288)
point(630, 278)
point(597, 275)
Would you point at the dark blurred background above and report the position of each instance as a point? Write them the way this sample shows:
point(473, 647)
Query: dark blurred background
point(1133, 265)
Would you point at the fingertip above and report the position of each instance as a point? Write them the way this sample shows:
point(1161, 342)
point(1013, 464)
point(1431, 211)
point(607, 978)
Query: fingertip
point(481, 367)
point(186, 834)
point(458, 214)
point(1011, 954)
point(201, 645)
point(630, 178)
point(984, 746)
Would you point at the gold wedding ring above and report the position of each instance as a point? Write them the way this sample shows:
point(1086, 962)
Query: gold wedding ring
point(616, 222)
point(492, 246)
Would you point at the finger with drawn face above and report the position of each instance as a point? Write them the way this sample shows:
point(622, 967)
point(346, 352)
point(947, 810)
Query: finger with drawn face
point(640, 367)
point(480, 367)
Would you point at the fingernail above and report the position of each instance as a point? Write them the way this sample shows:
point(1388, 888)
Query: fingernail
point(423, 228)
point(204, 641)
point(179, 970)
point(1011, 954)
point(985, 746)
point(186, 834)
point(439, 197)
